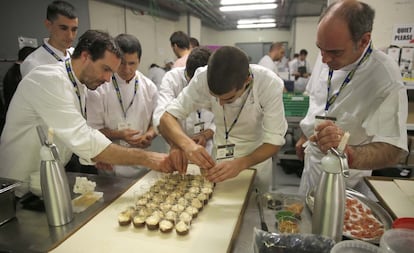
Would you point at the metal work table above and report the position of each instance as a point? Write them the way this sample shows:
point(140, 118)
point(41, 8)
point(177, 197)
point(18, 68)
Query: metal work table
point(30, 232)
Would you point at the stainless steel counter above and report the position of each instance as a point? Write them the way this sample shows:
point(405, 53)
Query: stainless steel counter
point(30, 231)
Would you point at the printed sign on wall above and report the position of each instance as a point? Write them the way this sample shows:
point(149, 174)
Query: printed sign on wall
point(403, 34)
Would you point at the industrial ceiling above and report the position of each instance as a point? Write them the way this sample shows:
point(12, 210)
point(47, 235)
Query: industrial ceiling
point(210, 15)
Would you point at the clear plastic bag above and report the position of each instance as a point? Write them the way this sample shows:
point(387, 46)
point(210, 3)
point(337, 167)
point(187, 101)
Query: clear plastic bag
point(266, 242)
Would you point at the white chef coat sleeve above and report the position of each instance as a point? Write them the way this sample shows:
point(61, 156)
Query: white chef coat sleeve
point(27, 65)
point(57, 105)
point(195, 95)
point(271, 101)
point(95, 107)
point(388, 122)
point(167, 92)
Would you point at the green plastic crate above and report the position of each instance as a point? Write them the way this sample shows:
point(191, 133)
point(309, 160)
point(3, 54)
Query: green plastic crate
point(295, 104)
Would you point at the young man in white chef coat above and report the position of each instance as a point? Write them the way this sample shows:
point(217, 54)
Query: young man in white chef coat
point(62, 24)
point(359, 86)
point(200, 124)
point(248, 108)
point(54, 96)
point(122, 108)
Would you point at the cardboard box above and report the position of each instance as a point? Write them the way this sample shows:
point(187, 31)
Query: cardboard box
point(394, 53)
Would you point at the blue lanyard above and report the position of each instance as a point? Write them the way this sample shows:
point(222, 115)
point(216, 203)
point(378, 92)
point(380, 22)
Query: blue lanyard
point(227, 132)
point(50, 51)
point(118, 93)
point(348, 78)
point(75, 85)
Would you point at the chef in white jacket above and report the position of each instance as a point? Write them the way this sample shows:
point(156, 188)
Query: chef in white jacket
point(248, 107)
point(122, 108)
point(361, 90)
point(62, 24)
point(200, 124)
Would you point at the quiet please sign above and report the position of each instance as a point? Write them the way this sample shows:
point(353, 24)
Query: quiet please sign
point(403, 34)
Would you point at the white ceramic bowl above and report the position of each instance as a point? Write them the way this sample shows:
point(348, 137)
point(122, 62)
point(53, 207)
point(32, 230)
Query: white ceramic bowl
point(355, 246)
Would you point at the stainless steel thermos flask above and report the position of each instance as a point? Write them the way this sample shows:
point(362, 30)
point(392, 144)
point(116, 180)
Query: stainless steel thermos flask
point(55, 187)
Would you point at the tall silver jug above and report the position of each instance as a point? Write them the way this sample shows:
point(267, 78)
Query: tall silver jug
point(329, 201)
point(55, 187)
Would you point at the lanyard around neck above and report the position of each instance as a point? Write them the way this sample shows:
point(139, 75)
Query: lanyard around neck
point(50, 51)
point(227, 132)
point(118, 93)
point(348, 78)
point(75, 85)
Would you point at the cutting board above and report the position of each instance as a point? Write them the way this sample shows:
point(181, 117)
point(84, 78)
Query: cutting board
point(212, 231)
point(395, 195)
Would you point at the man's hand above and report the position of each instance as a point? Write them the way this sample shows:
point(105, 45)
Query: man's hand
point(225, 170)
point(145, 140)
point(130, 136)
point(199, 155)
point(103, 166)
point(200, 139)
point(300, 150)
point(178, 159)
point(160, 162)
point(328, 135)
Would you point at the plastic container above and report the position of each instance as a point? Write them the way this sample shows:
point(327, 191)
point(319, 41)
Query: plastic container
point(355, 246)
point(397, 241)
point(407, 223)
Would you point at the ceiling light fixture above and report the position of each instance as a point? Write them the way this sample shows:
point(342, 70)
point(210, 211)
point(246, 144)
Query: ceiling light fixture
point(263, 25)
point(248, 7)
point(255, 21)
point(232, 2)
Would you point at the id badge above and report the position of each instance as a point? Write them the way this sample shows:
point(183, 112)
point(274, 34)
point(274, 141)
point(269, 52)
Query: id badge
point(198, 127)
point(123, 125)
point(225, 152)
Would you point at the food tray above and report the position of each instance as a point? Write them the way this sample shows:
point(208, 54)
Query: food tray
point(380, 213)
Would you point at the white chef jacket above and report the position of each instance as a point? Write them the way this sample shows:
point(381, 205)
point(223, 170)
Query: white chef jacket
point(267, 62)
point(296, 63)
point(41, 56)
point(301, 82)
point(104, 109)
point(46, 97)
point(156, 74)
point(173, 83)
point(262, 119)
point(372, 108)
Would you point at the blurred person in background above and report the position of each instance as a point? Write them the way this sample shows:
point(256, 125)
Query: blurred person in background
point(180, 44)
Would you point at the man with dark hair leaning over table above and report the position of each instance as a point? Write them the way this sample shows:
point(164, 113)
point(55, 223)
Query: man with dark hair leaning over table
point(248, 108)
point(362, 88)
point(53, 96)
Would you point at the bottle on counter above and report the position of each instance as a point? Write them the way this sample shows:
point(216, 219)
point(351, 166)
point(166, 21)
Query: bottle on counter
point(54, 183)
point(329, 199)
